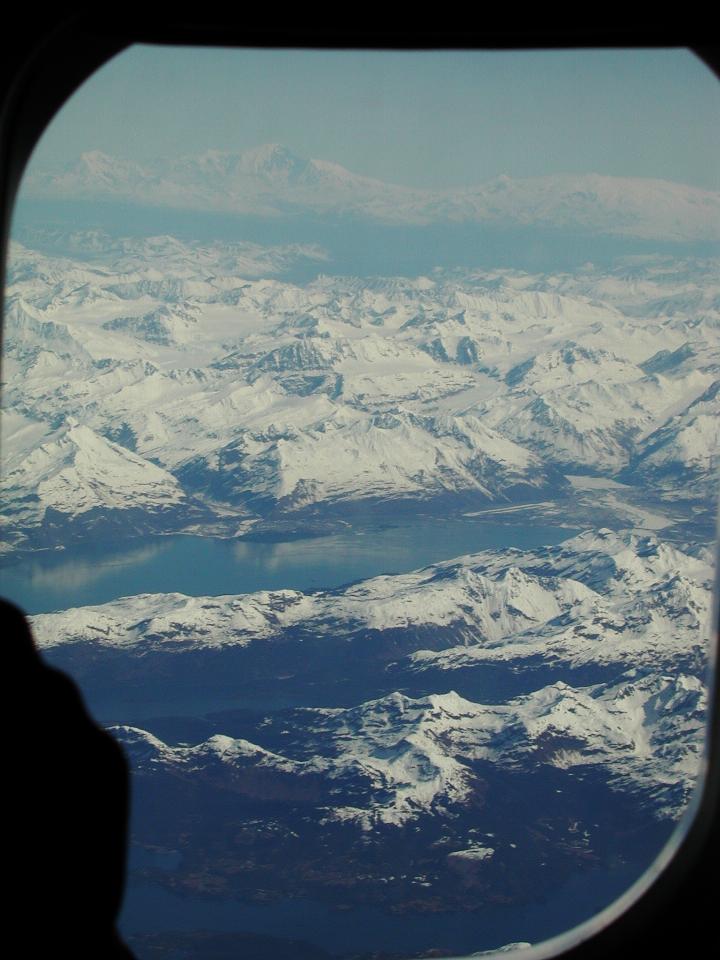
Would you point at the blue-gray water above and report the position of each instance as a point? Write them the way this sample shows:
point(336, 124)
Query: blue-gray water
point(150, 908)
point(356, 247)
point(200, 566)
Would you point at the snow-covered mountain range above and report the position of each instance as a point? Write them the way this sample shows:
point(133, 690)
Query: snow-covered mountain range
point(401, 758)
point(572, 750)
point(632, 609)
point(601, 598)
point(453, 738)
point(270, 180)
point(210, 396)
point(414, 801)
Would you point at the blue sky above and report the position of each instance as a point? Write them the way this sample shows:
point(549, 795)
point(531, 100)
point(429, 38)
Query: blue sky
point(435, 119)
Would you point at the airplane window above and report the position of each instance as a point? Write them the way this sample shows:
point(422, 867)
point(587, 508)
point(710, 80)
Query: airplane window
point(360, 463)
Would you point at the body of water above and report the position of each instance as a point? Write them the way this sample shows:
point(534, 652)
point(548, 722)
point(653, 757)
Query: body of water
point(203, 566)
point(354, 246)
point(149, 908)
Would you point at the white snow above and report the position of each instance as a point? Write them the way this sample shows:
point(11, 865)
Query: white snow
point(270, 178)
point(344, 389)
point(599, 598)
point(416, 756)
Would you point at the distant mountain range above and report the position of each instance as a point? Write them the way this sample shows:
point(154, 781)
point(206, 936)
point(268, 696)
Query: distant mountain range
point(272, 181)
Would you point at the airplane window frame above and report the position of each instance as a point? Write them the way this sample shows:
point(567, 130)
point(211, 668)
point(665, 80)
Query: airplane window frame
point(42, 70)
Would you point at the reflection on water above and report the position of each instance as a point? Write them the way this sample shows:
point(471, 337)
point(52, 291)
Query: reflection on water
point(360, 546)
point(201, 566)
point(76, 573)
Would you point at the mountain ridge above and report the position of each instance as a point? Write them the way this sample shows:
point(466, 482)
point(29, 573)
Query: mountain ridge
point(271, 180)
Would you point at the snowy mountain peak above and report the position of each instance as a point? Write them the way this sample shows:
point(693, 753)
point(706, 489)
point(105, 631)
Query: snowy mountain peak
point(97, 160)
point(273, 162)
point(76, 473)
point(599, 204)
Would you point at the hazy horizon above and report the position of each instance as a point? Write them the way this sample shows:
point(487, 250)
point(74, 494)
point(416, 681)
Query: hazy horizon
point(433, 120)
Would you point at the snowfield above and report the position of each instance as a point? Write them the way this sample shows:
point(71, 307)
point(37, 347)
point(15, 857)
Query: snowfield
point(203, 391)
